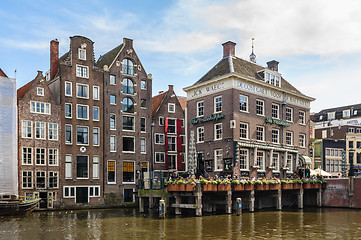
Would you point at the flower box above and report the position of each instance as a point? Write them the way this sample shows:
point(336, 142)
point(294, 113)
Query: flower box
point(307, 185)
point(324, 185)
point(248, 187)
point(274, 186)
point(224, 187)
point(209, 187)
point(287, 186)
point(259, 187)
point(238, 187)
point(190, 187)
point(297, 186)
point(180, 187)
point(317, 185)
point(171, 187)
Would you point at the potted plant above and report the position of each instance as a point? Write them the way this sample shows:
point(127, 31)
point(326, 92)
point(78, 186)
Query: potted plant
point(224, 185)
point(213, 185)
point(258, 185)
point(297, 184)
point(317, 184)
point(249, 186)
point(181, 187)
point(238, 185)
point(204, 184)
point(308, 184)
point(190, 186)
point(274, 185)
point(286, 185)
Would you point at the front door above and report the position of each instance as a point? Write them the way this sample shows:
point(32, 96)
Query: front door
point(44, 200)
point(81, 195)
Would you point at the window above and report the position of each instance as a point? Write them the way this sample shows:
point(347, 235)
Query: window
point(172, 144)
point(82, 91)
point(112, 80)
point(111, 171)
point(289, 138)
point(260, 133)
point(112, 125)
point(142, 145)
point(128, 86)
point(68, 167)
point(128, 123)
point(277, 81)
point(351, 130)
point(289, 114)
point(68, 89)
point(159, 138)
point(96, 113)
point(171, 126)
point(243, 159)
point(275, 161)
point(40, 180)
point(82, 112)
point(53, 131)
point(26, 129)
point(82, 135)
point(96, 93)
point(275, 136)
point(243, 130)
point(200, 109)
point(128, 144)
point(39, 107)
point(142, 124)
point(127, 67)
point(159, 157)
point(302, 140)
point(143, 84)
point(112, 142)
point(289, 162)
point(161, 121)
point(260, 107)
point(68, 110)
point(40, 91)
point(82, 167)
point(82, 71)
point(128, 105)
point(96, 137)
point(53, 179)
point(128, 172)
point(275, 111)
point(39, 130)
point(302, 116)
point(40, 156)
point(351, 144)
point(171, 107)
point(112, 99)
point(200, 134)
point(267, 77)
point(331, 115)
point(53, 156)
point(95, 167)
point(324, 133)
point(218, 104)
point(261, 160)
point(218, 131)
point(143, 103)
point(183, 139)
point(69, 192)
point(172, 159)
point(272, 79)
point(81, 54)
point(182, 123)
point(358, 130)
point(27, 179)
point(27, 153)
point(68, 134)
point(243, 103)
point(218, 159)
point(346, 113)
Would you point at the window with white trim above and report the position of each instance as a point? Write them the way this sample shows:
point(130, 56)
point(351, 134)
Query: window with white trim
point(95, 167)
point(27, 156)
point(289, 162)
point(143, 85)
point(346, 113)
point(111, 172)
point(40, 107)
point(302, 117)
point(243, 103)
point(53, 179)
point(82, 112)
point(218, 159)
point(260, 133)
point(40, 156)
point(142, 124)
point(112, 99)
point(275, 161)
point(40, 130)
point(27, 179)
point(243, 159)
point(172, 125)
point(68, 166)
point(112, 142)
point(82, 54)
point(52, 131)
point(40, 179)
point(112, 80)
point(40, 91)
point(82, 135)
point(95, 113)
point(289, 138)
point(82, 167)
point(261, 160)
point(128, 172)
point(275, 136)
point(112, 125)
point(200, 109)
point(172, 144)
point(159, 157)
point(159, 138)
point(200, 134)
point(82, 71)
point(68, 134)
point(26, 129)
point(128, 123)
point(289, 114)
point(128, 144)
point(69, 192)
point(82, 91)
point(243, 130)
point(128, 86)
point(275, 111)
point(68, 89)
point(53, 157)
point(127, 66)
point(302, 140)
point(96, 136)
point(161, 121)
point(68, 110)
point(331, 115)
point(171, 107)
point(143, 145)
point(96, 93)
point(218, 104)
point(260, 107)
point(218, 131)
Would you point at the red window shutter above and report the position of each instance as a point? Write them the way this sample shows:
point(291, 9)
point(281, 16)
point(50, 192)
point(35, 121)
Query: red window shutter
point(179, 162)
point(166, 125)
point(179, 144)
point(166, 161)
point(179, 126)
point(166, 143)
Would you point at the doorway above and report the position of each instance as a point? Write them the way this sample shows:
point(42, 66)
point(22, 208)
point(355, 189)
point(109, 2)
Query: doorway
point(82, 195)
point(43, 200)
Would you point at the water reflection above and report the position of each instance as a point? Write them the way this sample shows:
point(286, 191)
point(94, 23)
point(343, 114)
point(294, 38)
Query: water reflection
point(129, 224)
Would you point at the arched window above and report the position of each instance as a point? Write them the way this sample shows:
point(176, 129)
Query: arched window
point(128, 105)
point(128, 86)
point(128, 66)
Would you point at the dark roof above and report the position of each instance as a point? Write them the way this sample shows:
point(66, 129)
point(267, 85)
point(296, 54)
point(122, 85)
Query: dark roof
point(243, 67)
point(2, 74)
point(109, 57)
point(338, 112)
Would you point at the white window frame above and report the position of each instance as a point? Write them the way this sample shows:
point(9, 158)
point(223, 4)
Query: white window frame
point(158, 137)
point(115, 121)
point(275, 111)
point(302, 140)
point(261, 106)
point(82, 54)
point(88, 173)
point(133, 144)
point(71, 110)
point(218, 153)
point(173, 143)
point(346, 113)
point(200, 109)
point(278, 135)
point(246, 129)
point(246, 161)
point(302, 117)
point(262, 161)
point(24, 129)
point(289, 162)
point(200, 134)
point(263, 133)
point(218, 132)
point(141, 85)
point(45, 106)
point(110, 79)
point(70, 89)
point(143, 151)
point(291, 135)
point(82, 105)
point(56, 175)
point(40, 91)
point(115, 98)
point(82, 144)
point(133, 172)
point(55, 156)
point(96, 172)
point(40, 128)
point(331, 116)
point(241, 110)
point(171, 107)
point(87, 90)
point(82, 74)
point(71, 134)
point(215, 102)
point(96, 93)
point(112, 146)
point(69, 190)
point(159, 154)
point(53, 127)
point(145, 125)
point(133, 126)
point(276, 164)
point(96, 145)
point(26, 162)
point(35, 157)
point(96, 119)
point(68, 171)
point(289, 113)
point(161, 121)
point(27, 176)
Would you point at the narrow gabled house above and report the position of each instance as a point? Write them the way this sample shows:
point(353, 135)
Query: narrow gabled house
point(127, 122)
point(39, 132)
point(168, 115)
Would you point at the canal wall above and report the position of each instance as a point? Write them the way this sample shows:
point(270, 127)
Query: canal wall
point(342, 192)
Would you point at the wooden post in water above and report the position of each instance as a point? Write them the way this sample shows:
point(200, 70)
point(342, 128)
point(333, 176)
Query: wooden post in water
point(229, 202)
point(279, 199)
point(239, 206)
point(151, 202)
point(300, 199)
point(161, 208)
point(141, 204)
point(177, 201)
point(319, 198)
point(251, 201)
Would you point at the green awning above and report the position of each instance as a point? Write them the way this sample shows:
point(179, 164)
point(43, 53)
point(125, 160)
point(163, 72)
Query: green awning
point(305, 160)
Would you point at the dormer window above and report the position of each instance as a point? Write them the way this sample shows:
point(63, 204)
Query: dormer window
point(271, 77)
point(321, 117)
point(331, 115)
point(346, 113)
point(82, 54)
point(40, 91)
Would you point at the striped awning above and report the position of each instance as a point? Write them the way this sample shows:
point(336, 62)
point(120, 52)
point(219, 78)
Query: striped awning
point(266, 147)
point(305, 160)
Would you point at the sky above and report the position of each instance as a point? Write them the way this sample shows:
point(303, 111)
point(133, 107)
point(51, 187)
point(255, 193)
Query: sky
point(317, 42)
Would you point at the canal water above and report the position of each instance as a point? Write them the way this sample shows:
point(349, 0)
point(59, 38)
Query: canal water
point(129, 224)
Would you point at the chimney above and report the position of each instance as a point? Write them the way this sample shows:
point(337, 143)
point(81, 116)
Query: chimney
point(273, 65)
point(170, 88)
point(229, 49)
point(54, 58)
